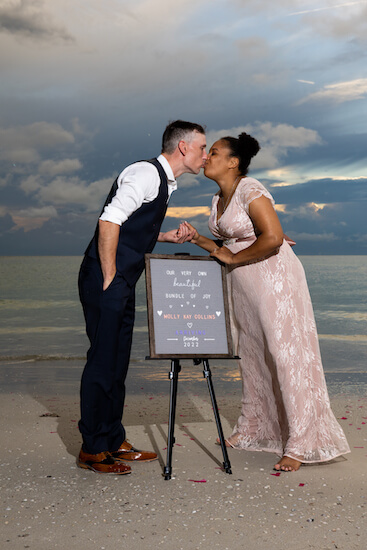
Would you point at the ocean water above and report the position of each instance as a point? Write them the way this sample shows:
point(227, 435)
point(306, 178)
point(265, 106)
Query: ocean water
point(41, 318)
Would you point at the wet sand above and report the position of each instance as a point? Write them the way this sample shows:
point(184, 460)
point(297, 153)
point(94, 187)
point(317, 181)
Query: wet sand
point(50, 503)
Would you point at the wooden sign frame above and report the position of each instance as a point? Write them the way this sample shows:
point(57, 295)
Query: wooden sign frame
point(223, 341)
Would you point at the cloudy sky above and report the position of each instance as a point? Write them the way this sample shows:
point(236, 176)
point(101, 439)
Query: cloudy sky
point(88, 87)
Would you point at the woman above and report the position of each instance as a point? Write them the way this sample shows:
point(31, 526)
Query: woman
point(285, 404)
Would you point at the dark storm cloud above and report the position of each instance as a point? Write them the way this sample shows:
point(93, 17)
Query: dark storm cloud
point(67, 234)
point(28, 19)
point(125, 76)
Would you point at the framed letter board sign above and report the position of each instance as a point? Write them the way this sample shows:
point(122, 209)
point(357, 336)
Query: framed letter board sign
point(187, 307)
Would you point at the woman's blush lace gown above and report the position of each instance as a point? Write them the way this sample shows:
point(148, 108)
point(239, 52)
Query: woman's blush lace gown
point(285, 403)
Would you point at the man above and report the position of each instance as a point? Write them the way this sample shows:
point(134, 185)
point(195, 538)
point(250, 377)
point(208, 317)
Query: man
point(128, 227)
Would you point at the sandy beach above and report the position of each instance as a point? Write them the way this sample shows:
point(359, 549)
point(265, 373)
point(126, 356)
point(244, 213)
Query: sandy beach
point(48, 502)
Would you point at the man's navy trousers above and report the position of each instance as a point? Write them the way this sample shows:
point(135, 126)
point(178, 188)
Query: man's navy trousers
point(109, 317)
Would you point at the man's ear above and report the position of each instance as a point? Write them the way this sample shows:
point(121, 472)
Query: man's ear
point(182, 147)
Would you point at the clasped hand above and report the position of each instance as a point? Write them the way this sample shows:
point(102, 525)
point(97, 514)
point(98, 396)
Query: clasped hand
point(183, 234)
point(187, 233)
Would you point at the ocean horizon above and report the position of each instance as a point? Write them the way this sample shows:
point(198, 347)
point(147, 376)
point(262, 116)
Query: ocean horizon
point(41, 316)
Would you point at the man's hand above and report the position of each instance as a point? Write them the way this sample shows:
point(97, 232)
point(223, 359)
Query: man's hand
point(179, 236)
point(107, 280)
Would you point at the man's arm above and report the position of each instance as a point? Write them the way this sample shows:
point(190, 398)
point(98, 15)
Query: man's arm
point(137, 182)
point(107, 247)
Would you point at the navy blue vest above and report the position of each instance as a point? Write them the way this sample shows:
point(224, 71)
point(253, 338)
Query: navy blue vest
point(139, 234)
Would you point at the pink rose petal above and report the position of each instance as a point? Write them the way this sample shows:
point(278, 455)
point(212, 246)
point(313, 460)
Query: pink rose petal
point(277, 474)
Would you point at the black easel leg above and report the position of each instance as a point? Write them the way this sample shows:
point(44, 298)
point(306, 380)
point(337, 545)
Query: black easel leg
point(173, 376)
point(208, 375)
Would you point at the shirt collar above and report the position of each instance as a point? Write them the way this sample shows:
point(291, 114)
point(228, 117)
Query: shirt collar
point(167, 168)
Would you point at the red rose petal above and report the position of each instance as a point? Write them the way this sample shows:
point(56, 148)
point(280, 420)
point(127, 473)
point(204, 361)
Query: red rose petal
point(198, 480)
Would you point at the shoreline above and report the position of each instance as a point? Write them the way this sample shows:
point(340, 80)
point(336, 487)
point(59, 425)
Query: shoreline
point(50, 503)
point(32, 373)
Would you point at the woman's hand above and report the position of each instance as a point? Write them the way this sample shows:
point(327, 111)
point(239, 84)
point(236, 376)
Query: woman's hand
point(192, 233)
point(185, 233)
point(223, 254)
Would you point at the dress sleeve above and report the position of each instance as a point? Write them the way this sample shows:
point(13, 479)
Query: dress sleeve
point(250, 190)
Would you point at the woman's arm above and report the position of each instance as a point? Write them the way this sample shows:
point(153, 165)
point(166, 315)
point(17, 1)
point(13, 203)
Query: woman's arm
point(269, 235)
point(194, 237)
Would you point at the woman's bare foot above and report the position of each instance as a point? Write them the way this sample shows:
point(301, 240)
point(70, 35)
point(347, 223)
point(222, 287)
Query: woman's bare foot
point(287, 464)
point(225, 441)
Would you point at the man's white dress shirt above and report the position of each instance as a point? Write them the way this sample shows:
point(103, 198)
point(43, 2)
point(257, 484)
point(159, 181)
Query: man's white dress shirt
point(137, 184)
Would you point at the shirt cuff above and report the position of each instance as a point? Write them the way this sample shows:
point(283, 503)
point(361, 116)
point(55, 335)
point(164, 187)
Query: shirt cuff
point(113, 215)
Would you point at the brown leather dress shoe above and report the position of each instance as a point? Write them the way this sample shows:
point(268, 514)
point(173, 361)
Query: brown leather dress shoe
point(102, 463)
point(129, 453)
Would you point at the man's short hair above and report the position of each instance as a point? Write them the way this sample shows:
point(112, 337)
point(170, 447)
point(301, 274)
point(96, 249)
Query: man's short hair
point(177, 131)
